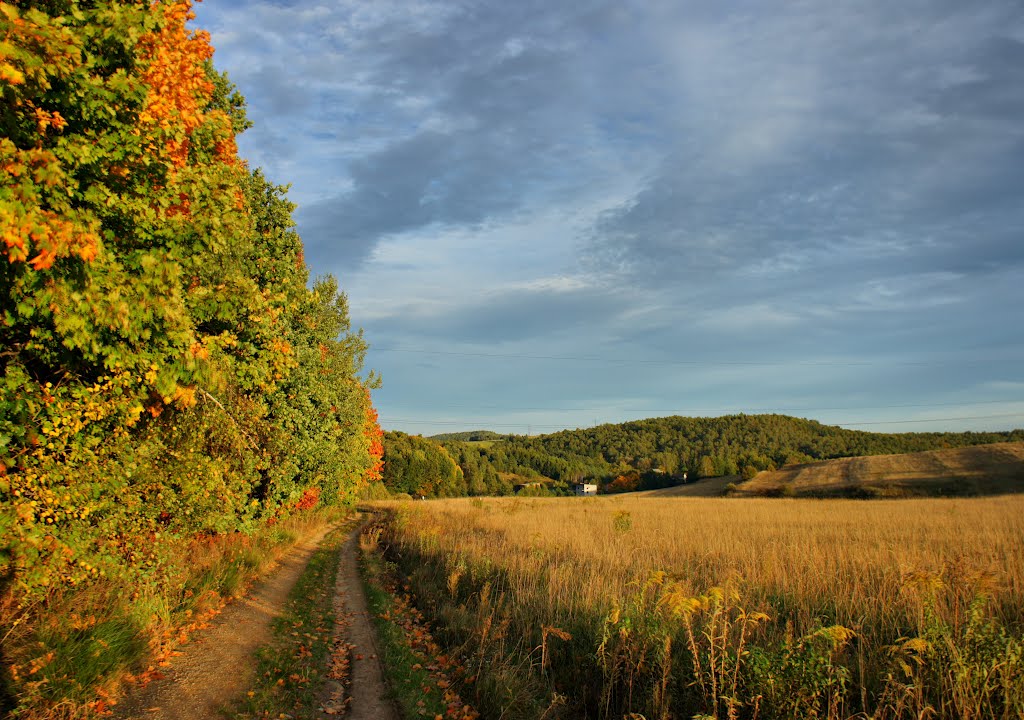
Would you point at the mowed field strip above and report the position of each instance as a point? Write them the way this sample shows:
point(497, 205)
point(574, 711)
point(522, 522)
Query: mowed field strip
point(979, 470)
point(994, 469)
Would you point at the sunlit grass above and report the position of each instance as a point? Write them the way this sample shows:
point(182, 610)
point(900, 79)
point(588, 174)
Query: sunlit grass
point(953, 472)
point(807, 565)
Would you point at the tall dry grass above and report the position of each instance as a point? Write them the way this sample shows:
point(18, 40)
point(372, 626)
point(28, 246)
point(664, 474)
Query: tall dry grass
point(872, 576)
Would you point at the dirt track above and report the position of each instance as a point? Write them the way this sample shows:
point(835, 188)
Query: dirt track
point(216, 668)
point(367, 693)
point(708, 487)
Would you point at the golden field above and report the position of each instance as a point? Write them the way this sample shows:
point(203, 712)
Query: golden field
point(886, 608)
point(978, 470)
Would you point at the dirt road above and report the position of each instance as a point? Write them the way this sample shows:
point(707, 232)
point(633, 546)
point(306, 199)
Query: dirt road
point(216, 668)
point(365, 696)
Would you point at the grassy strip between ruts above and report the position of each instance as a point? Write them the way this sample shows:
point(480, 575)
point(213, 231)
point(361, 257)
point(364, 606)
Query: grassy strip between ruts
point(422, 679)
point(293, 669)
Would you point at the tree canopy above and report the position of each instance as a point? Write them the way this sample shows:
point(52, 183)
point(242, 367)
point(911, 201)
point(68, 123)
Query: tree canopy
point(167, 366)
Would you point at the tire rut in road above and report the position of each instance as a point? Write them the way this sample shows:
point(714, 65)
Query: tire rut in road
point(365, 695)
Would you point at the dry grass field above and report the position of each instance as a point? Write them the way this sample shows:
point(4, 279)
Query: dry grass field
point(674, 607)
point(968, 471)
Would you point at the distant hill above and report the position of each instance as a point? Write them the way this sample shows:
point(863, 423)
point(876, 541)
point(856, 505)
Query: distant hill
point(658, 453)
point(710, 447)
point(980, 470)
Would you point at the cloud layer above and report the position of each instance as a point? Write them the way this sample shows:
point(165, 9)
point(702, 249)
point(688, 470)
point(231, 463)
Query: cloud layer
point(699, 208)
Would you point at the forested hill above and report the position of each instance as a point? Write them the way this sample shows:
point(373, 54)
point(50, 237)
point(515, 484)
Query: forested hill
point(647, 453)
point(723, 445)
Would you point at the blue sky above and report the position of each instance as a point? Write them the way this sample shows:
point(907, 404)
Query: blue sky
point(553, 214)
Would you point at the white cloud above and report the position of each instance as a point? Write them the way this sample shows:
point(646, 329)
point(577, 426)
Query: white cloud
point(910, 292)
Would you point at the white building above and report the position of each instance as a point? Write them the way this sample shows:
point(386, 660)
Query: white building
point(585, 488)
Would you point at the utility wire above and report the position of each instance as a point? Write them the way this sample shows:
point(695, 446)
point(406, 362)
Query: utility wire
point(748, 411)
point(536, 425)
point(457, 423)
point(636, 361)
point(901, 422)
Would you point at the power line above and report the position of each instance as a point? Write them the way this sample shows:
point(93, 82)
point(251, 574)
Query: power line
point(636, 361)
point(457, 423)
point(764, 410)
point(858, 423)
point(901, 422)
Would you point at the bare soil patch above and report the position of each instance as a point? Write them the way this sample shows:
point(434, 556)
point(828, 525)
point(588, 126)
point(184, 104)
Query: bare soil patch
point(359, 690)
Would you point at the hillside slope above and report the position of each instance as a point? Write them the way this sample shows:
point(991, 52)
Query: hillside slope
point(979, 470)
point(654, 453)
point(711, 447)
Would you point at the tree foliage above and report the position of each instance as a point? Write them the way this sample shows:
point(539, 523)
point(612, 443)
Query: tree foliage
point(166, 366)
point(420, 467)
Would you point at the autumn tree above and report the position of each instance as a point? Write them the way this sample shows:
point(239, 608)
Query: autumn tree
point(420, 466)
point(168, 374)
point(165, 366)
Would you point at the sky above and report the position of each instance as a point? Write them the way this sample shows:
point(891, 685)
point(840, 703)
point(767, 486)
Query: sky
point(553, 214)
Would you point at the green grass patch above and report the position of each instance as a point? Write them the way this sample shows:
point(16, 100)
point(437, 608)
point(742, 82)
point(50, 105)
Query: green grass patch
point(484, 444)
point(82, 658)
point(291, 670)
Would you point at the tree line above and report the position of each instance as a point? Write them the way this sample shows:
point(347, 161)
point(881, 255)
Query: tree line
point(642, 454)
point(422, 467)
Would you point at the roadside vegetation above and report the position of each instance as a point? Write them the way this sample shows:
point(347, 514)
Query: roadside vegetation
point(724, 608)
point(174, 390)
point(421, 676)
point(71, 655)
